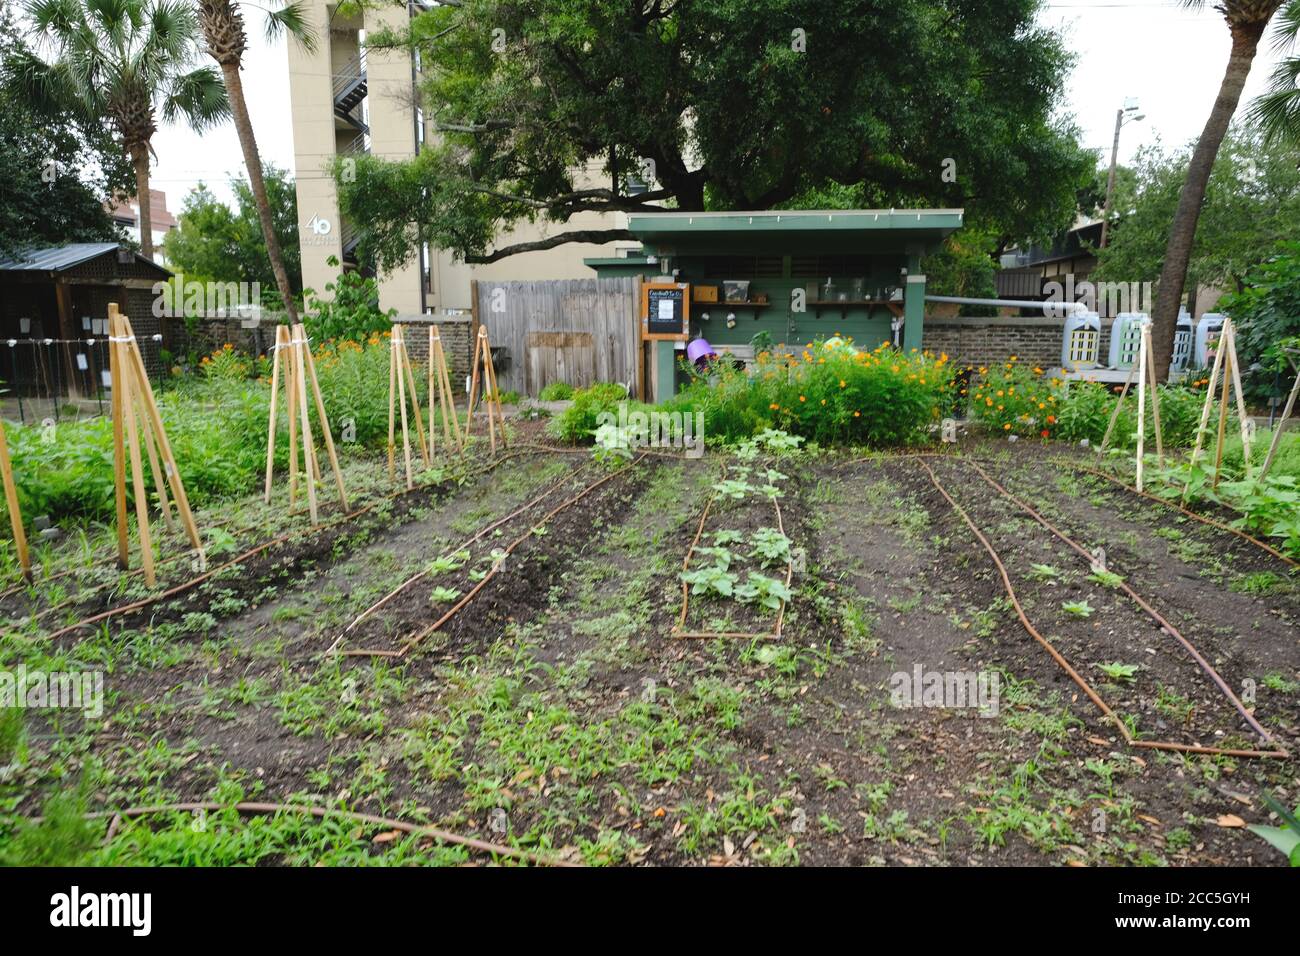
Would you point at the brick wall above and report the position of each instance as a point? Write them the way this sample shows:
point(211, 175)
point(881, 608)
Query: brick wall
point(989, 341)
point(456, 335)
point(203, 336)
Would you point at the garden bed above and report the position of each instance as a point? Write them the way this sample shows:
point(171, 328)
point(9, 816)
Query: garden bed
point(557, 712)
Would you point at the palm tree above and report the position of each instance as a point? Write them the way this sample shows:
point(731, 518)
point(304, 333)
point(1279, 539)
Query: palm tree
point(222, 23)
point(129, 61)
point(1247, 20)
point(1277, 112)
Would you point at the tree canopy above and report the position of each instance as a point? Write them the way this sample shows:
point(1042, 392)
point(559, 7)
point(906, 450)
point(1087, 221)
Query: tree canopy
point(545, 109)
point(1251, 203)
point(215, 242)
point(58, 168)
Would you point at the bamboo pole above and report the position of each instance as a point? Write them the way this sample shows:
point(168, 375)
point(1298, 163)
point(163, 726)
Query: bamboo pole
point(473, 379)
point(1223, 408)
point(137, 478)
point(1243, 417)
point(392, 409)
point(326, 435)
point(1155, 395)
point(415, 403)
point(11, 500)
point(158, 477)
point(119, 450)
point(290, 391)
point(1142, 410)
point(278, 352)
point(1114, 415)
point(1280, 427)
point(1212, 385)
point(446, 397)
point(395, 363)
point(300, 385)
point(154, 420)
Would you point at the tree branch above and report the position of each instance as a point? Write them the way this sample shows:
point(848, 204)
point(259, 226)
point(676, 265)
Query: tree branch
point(578, 235)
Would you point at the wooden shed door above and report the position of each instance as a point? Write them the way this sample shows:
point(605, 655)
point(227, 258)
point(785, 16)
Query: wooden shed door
point(560, 357)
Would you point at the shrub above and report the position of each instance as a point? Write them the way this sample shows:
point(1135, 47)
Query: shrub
point(830, 393)
point(353, 313)
point(578, 421)
point(556, 392)
point(1015, 399)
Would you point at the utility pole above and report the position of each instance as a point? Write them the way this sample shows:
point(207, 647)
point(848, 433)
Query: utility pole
point(1122, 115)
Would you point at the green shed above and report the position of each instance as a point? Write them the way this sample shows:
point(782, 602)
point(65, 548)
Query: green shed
point(794, 274)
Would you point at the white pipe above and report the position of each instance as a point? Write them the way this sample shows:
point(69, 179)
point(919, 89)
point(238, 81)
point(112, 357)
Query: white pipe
point(1009, 303)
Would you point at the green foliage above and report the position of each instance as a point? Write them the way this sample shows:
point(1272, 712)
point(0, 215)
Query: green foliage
point(63, 837)
point(1265, 314)
point(556, 392)
point(217, 243)
point(353, 312)
point(831, 394)
point(1251, 203)
point(865, 116)
point(1285, 838)
point(578, 422)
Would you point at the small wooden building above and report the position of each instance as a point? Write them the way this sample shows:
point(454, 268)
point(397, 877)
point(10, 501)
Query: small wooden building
point(794, 274)
point(54, 314)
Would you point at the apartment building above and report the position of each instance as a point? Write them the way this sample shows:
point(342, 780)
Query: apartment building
point(347, 100)
point(125, 213)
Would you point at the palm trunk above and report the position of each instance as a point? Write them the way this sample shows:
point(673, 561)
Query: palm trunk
point(1182, 232)
point(244, 127)
point(140, 160)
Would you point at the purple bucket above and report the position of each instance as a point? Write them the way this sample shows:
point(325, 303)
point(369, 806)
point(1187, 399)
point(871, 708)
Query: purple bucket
point(698, 349)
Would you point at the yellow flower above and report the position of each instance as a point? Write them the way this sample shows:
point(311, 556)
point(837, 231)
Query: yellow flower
point(1006, 427)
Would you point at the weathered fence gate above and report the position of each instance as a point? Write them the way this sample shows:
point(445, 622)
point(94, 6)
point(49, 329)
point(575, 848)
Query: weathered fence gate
point(578, 331)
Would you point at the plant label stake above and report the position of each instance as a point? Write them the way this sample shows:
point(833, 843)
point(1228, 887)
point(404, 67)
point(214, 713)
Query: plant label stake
point(399, 375)
point(492, 397)
point(294, 362)
point(11, 500)
point(440, 384)
point(136, 417)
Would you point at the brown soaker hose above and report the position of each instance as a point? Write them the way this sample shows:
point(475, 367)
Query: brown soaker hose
point(1177, 507)
point(1063, 663)
point(251, 553)
point(509, 549)
point(414, 829)
point(1142, 603)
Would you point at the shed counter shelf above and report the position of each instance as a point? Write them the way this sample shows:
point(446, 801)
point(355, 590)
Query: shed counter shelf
point(820, 305)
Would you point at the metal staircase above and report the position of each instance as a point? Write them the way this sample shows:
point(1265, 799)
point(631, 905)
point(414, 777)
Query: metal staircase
point(350, 89)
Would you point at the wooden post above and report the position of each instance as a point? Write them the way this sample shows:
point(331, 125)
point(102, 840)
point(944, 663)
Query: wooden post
point(11, 500)
point(415, 403)
point(1155, 394)
point(290, 391)
point(392, 408)
point(1280, 426)
point(119, 450)
point(1212, 385)
point(1223, 407)
point(1114, 415)
point(300, 397)
point(1142, 409)
point(327, 435)
point(1243, 417)
point(137, 475)
point(271, 419)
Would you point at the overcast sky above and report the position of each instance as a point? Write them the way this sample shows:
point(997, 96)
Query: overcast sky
point(1168, 58)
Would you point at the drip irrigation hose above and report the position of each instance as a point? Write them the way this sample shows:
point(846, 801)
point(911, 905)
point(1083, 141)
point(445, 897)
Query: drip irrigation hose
point(253, 552)
point(1061, 661)
point(1178, 507)
point(415, 638)
point(250, 807)
point(1141, 602)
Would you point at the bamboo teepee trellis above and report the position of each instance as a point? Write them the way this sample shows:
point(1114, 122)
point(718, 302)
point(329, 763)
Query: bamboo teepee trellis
point(492, 398)
point(294, 364)
point(400, 379)
point(11, 500)
point(136, 416)
point(1226, 370)
point(440, 384)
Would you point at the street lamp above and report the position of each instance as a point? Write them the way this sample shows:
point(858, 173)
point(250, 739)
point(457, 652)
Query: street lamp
point(1128, 113)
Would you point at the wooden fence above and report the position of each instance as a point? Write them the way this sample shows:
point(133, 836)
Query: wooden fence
point(577, 331)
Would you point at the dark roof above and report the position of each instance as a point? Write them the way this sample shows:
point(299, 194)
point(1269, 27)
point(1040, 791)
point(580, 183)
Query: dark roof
point(65, 257)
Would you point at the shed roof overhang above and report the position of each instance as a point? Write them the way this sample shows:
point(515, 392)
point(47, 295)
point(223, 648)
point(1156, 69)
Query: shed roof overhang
point(786, 232)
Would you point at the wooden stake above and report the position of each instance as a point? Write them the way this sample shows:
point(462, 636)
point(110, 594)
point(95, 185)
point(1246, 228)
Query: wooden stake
point(119, 450)
point(1243, 418)
point(1223, 408)
point(1155, 395)
point(483, 348)
point(11, 500)
point(137, 475)
point(440, 380)
point(300, 387)
point(392, 409)
point(291, 390)
point(1142, 410)
point(1114, 415)
point(1280, 426)
point(327, 435)
point(281, 340)
point(158, 477)
point(1205, 415)
point(415, 403)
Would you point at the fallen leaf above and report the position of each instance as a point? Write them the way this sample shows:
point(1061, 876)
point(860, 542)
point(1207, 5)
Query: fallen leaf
point(1230, 820)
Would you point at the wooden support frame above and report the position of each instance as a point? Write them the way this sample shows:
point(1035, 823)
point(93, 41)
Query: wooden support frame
point(483, 358)
point(1280, 427)
point(136, 419)
point(400, 380)
point(440, 385)
point(1145, 373)
point(1225, 377)
point(11, 501)
point(293, 363)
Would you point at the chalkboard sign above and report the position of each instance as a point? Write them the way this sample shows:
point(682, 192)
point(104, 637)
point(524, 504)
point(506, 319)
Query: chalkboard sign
point(665, 311)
